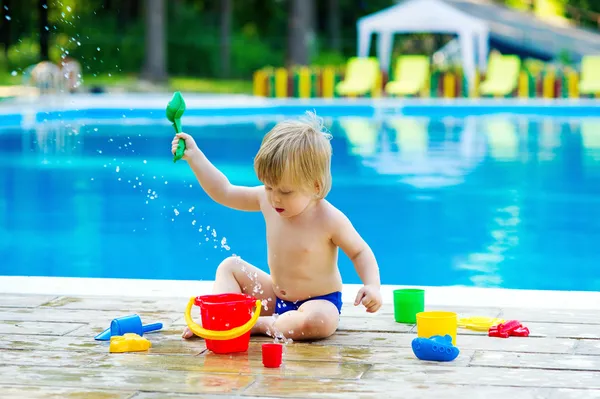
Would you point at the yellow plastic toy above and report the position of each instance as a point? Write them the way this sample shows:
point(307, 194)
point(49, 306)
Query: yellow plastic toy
point(432, 323)
point(220, 335)
point(129, 342)
point(479, 323)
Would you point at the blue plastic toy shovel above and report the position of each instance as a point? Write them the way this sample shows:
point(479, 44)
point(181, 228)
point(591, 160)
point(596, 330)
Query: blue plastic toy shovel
point(127, 324)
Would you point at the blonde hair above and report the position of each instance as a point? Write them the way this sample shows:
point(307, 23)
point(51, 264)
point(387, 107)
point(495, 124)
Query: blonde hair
point(298, 150)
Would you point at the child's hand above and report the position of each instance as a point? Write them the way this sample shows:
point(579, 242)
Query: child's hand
point(370, 296)
point(190, 145)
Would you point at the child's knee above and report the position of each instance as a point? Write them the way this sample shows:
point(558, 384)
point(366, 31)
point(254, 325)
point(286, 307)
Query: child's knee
point(230, 265)
point(318, 324)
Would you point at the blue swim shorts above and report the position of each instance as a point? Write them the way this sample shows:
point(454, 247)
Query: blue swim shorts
point(282, 306)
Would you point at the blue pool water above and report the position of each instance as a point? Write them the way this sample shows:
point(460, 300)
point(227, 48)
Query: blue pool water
point(500, 201)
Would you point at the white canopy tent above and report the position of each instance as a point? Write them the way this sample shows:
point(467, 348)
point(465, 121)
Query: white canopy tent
point(434, 16)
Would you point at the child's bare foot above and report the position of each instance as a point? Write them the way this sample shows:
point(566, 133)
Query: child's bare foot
point(187, 333)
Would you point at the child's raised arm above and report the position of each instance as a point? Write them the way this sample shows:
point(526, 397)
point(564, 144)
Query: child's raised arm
point(214, 182)
point(345, 236)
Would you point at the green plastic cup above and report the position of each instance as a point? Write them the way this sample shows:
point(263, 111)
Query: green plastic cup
point(407, 303)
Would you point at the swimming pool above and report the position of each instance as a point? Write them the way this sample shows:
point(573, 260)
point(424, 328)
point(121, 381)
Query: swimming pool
point(492, 200)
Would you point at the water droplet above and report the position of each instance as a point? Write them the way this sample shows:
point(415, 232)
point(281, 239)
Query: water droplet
point(176, 212)
point(68, 9)
point(166, 182)
point(14, 73)
point(145, 161)
point(193, 222)
point(7, 17)
point(98, 48)
point(45, 6)
point(95, 129)
point(99, 151)
point(191, 209)
point(79, 43)
point(118, 170)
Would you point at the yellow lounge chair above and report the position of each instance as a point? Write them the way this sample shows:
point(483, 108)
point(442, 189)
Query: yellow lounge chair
point(590, 139)
point(17, 91)
point(411, 135)
point(362, 77)
point(410, 75)
point(362, 135)
point(502, 75)
point(502, 139)
point(590, 75)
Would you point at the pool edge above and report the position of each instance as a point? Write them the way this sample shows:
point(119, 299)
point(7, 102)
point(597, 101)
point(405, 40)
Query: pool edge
point(459, 296)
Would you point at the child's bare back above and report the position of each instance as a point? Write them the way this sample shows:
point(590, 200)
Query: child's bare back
point(304, 232)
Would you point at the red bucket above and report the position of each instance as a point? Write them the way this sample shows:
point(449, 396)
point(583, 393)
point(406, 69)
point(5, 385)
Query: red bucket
point(223, 312)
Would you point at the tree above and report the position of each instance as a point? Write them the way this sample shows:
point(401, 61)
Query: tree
point(44, 30)
point(334, 25)
point(226, 11)
point(300, 31)
point(155, 64)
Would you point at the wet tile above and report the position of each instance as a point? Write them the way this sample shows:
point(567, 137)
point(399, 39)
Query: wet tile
point(155, 395)
point(351, 354)
point(574, 394)
point(234, 363)
point(35, 328)
point(80, 315)
point(127, 305)
point(340, 389)
point(537, 360)
point(48, 358)
point(41, 392)
point(348, 309)
point(95, 327)
point(24, 301)
point(473, 342)
point(179, 322)
point(552, 316)
point(564, 330)
point(125, 379)
point(161, 343)
point(462, 311)
point(587, 347)
point(387, 310)
point(518, 344)
point(492, 376)
point(51, 343)
point(372, 323)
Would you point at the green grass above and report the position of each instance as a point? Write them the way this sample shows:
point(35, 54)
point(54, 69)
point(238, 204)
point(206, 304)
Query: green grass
point(132, 83)
point(6, 79)
point(210, 85)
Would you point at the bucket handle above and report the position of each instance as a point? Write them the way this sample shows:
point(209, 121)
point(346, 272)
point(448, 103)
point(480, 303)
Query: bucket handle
point(220, 335)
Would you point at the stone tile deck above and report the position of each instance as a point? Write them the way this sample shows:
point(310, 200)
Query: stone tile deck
point(47, 350)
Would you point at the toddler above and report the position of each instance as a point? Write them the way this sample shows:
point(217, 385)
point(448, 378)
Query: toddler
point(304, 232)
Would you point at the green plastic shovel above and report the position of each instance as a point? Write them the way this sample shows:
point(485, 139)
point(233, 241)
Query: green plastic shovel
point(175, 110)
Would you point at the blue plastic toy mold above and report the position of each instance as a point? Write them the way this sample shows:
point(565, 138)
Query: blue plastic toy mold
point(436, 348)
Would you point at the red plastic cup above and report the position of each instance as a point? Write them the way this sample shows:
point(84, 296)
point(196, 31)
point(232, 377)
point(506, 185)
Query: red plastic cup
point(271, 355)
